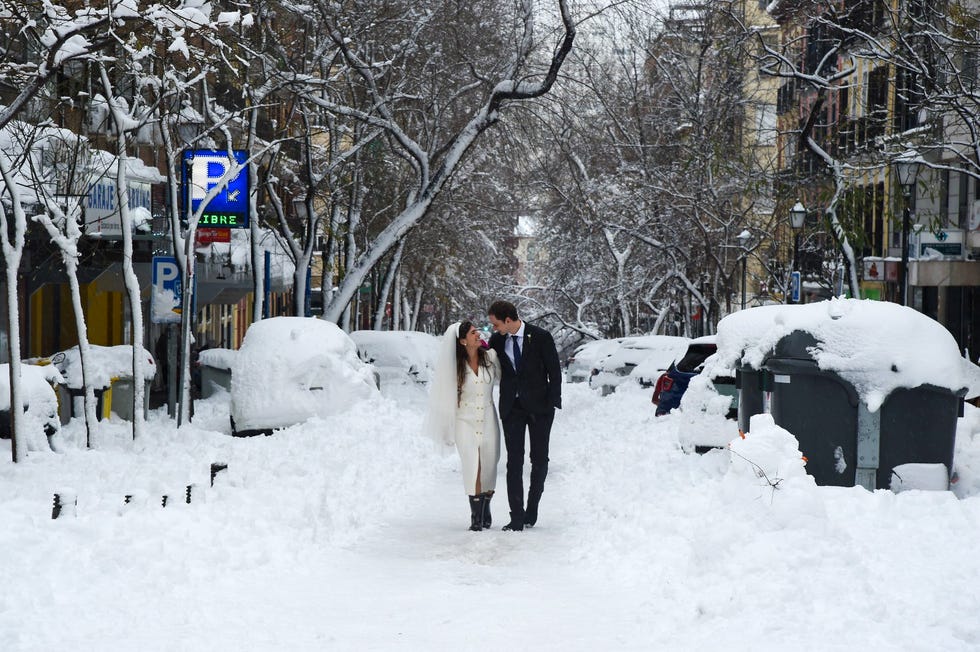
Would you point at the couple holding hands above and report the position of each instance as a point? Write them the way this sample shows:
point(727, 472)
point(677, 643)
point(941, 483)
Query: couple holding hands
point(523, 359)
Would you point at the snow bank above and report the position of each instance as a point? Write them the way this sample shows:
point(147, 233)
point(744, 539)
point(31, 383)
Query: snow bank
point(39, 398)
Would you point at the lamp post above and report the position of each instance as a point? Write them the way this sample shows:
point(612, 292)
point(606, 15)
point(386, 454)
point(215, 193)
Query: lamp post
point(906, 169)
point(743, 239)
point(797, 216)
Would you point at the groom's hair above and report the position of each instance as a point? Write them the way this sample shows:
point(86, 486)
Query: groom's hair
point(503, 310)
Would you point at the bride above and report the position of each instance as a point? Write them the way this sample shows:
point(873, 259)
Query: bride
point(462, 411)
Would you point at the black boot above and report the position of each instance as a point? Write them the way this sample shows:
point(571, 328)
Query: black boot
point(531, 511)
point(516, 523)
point(476, 513)
point(487, 521)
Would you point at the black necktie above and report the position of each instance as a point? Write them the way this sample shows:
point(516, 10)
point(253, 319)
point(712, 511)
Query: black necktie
point(517, 353)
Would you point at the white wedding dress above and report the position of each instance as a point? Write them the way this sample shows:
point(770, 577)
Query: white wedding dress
point(477, 430)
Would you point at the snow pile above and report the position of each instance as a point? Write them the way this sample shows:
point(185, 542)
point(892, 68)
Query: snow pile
point(934, 477)
point(103, 364)
point(39, 399)
point(768, 469)
point(875, 345)
point(289, 369)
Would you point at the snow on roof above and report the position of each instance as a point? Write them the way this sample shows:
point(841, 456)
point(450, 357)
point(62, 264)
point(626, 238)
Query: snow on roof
point(875, 345)
point(105, 163)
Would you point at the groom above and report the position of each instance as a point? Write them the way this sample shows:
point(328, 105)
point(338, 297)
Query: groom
point(530, 390)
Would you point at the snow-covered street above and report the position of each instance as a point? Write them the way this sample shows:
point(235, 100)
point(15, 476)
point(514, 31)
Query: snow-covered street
point(350, 534)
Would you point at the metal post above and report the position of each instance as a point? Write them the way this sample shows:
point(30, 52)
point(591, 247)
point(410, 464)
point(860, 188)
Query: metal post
point(172, 334)
point(267, 293)
point(744, 262)
point(903, 276)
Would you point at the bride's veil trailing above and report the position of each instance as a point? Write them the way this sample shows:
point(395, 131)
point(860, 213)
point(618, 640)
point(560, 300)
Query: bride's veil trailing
point(440, 422)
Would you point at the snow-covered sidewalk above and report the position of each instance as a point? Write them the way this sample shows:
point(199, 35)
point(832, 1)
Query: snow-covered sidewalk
point(350, 534)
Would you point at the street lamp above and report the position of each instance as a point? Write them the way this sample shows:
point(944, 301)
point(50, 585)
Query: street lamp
point(797, 216)
point(301, 209)
point(906, 169)
point(743, 239)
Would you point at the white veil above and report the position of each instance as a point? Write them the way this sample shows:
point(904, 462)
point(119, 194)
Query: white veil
point(440, 422)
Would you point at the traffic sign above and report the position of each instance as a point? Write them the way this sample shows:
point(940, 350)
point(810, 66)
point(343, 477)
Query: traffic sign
point(167, 291)
point(202, 170)
point(794, 287)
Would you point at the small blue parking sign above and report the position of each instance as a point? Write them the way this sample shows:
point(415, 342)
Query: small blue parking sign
point(167, 291)
point(794, 287)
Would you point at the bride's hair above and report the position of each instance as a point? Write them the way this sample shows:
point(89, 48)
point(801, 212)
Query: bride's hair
point(461, 360)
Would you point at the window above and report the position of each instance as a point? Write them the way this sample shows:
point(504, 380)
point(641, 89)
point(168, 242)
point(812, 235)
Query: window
point(766, 124)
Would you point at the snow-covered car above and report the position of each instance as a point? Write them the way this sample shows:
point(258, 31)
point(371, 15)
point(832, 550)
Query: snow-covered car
point(584, 359)
point(40, 404)
point(653, 352)
point(290, 369)
point(673, 383)
point(398, 356)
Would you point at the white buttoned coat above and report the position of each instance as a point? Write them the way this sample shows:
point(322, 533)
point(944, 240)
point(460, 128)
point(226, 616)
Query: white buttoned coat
point(477, 427)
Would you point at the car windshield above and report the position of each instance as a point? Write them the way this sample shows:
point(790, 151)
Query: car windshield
point(695, 357)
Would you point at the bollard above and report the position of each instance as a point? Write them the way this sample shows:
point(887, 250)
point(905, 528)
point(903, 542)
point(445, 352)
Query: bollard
point(216, 467)
point(65, 502)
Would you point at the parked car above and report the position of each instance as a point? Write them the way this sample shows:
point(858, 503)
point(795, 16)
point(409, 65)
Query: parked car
point(585, 358)
point(399, 356)
point(672, 384)
point(289, 369)
point(654, 352)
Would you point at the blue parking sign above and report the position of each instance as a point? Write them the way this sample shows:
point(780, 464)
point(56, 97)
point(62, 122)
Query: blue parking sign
point(202, 170)
point(794, 287)
point(167, 291)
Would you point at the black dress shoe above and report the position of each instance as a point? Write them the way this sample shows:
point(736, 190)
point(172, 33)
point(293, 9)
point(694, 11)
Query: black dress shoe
point(530, 517)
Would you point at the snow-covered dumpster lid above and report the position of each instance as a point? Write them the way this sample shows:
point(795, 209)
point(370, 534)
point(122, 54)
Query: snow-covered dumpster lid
point(106, 363)
point(217, 358)
point(874, 345)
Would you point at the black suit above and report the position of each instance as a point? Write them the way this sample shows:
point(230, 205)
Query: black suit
point(528, 398)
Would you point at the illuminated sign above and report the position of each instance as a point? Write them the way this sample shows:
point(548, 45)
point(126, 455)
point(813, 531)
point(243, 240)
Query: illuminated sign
point(201, 171)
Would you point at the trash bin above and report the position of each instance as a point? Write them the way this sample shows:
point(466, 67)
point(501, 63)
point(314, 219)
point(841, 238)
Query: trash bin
point(918, 425)
point(819, 407)
point(77, 402)
point(214, 379)
point(752, 384)
point(119, 398)
point(844, 443)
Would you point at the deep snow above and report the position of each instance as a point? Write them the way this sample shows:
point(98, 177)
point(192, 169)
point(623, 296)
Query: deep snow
point(349, 533)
